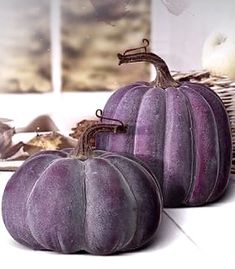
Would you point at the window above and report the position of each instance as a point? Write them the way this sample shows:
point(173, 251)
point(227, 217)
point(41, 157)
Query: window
point(25, 46)
point(66, 45)
point(90, 45)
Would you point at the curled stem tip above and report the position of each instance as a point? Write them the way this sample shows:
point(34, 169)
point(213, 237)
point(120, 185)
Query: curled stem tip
point(99, 114)
point(122, 57)
point(145, 46)
point(163, 77)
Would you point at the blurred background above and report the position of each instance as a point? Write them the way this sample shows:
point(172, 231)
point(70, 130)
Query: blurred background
point(25, 46)
point(182, 28)
point(90, 36)
point(58, 57)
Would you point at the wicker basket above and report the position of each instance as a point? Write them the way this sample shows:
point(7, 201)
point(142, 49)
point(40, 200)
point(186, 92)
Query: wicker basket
point(224, 87)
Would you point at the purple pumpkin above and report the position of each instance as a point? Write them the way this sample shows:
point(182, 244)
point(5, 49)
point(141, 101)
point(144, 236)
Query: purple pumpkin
point(181, 131)
point(95, 201)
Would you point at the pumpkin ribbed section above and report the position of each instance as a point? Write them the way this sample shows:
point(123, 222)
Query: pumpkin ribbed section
point(107, 203)
point(183, 134)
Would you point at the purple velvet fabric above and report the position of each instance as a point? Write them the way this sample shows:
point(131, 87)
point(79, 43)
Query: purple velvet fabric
point(105, 204)
point(183, 134)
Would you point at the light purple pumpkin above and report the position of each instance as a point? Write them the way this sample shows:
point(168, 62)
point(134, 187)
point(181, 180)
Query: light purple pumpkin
point(100, 204)
point(181, 131)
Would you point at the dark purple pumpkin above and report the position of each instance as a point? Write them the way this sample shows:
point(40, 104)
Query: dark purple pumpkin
point(181, 131)
point(96, 201)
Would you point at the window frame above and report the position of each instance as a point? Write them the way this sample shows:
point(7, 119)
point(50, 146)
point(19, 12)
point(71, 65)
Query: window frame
point(65, 108)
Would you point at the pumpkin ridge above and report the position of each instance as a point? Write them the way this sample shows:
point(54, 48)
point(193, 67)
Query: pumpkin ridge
point(29, 196)
point(137, 138)
point(211, 93)
point(189, 108)
point(214, 125)
point(132, 88)
point(27, 162)
point(131, 190)
point(177, 171)
point(206, 88)
point(140, 91)
point(129, 157)
point(117, 246)
point(60, 241)
point(115, 99)
point(218, 155)
point(218, 150)
point(58, 185)
point(143, 168)
point(160, 199)
point(34, 185)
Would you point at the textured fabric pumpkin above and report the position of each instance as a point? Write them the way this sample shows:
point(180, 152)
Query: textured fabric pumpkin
point(99, 202)
point(181, 131)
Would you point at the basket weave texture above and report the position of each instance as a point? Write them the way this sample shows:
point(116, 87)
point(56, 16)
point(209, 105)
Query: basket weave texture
point(224, 87)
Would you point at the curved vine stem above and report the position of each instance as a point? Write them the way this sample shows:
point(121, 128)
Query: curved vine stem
point(99, 114)
point(83, 148)
point(163, 78)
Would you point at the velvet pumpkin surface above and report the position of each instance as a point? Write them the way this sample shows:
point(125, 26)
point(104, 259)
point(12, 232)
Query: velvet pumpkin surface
point(181, 131)
point(107, 203)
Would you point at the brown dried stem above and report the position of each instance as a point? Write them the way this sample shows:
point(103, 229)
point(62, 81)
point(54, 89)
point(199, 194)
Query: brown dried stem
point(163, 77)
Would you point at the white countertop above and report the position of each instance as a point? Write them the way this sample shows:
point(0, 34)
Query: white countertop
point(187, 238)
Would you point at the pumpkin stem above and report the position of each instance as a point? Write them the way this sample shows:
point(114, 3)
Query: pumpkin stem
point(163, 78)
point(145, 46)
point(99, 114)
point(83, 148)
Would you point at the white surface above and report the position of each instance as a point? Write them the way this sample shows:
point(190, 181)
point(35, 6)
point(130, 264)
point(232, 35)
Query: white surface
point(200, 238)
point(216, 220)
